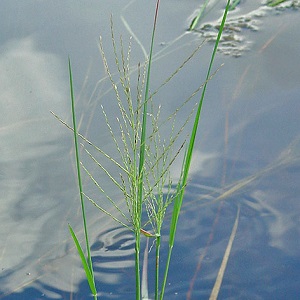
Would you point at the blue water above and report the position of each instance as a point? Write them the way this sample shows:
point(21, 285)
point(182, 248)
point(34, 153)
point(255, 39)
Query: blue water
point(247, 153)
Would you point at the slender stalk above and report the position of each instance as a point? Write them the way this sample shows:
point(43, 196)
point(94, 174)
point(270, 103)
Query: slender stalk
point(216, 289)
point(142, 161)
point(137, 266)
point(89, 259)
point(157, 267)
point(188, 157)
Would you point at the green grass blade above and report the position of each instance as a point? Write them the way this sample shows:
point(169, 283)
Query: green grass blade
point(85, 264)
point(274, 3)
point(89, 259)
point(188, 156)
point(196, 20)
point(144, 121)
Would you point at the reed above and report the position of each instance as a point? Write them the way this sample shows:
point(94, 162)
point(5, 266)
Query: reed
point(144, 158)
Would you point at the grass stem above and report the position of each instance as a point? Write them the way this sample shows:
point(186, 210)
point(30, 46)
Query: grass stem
point(142, 160)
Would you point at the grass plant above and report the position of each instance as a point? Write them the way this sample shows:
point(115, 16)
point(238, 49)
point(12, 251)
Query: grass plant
point(205, 7)
point(144, 159)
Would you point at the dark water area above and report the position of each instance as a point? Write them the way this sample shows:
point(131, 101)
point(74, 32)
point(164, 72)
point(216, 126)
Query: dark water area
point(246, 157)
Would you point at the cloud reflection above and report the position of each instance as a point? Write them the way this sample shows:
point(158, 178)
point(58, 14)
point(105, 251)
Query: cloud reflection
point(33, 164)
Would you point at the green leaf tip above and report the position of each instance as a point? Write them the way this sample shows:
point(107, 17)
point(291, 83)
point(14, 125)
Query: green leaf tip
point(86, 267)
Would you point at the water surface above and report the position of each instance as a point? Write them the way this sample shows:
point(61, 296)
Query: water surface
point(247, 153)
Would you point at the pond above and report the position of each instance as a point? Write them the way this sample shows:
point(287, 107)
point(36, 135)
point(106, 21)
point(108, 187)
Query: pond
point(246, 157)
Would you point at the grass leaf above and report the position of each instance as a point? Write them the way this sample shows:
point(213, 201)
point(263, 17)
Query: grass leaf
point(89, 259)
point(85, 264)
point(234, 4)
point(200, 14)
point(274, 3)
point(188, 157)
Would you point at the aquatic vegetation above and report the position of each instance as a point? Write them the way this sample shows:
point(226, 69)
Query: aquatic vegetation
point(144, 160)
point(197, 19)
point(206, 6)
point(234, 4)
point(275, 2)
point(234, 40)
point(283, 4)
